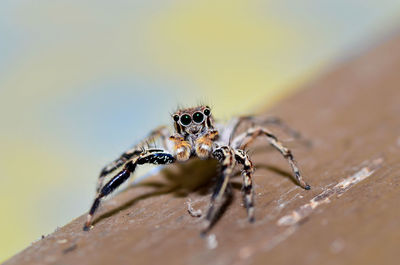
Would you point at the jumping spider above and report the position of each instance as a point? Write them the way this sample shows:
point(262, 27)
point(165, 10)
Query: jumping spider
point(197, 136)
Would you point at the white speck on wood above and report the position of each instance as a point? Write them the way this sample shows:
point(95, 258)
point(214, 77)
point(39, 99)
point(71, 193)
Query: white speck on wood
point(62, 241)
point(192, 211)
point(344, 185)
point(212, 242)
point(337, 246)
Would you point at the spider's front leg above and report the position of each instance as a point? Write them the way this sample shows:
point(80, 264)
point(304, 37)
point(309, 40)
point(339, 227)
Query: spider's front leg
point(247, 187)
point(151, 156)
point(243, 140)
point(161, 132)
point(225, 156)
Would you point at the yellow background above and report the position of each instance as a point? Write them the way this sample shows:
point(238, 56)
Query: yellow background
point(81, 81)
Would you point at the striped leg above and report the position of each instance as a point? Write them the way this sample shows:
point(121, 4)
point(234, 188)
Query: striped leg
point(263, 121)
point(226, 157)
point(248, 189)
point(152, 156)
point(161, 132)
point(243, 140)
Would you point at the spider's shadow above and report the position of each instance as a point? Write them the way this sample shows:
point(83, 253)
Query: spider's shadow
point(195, 176)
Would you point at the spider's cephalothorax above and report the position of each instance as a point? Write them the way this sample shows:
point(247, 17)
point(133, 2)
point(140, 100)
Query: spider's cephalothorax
point(194, 133)
point(196, 136)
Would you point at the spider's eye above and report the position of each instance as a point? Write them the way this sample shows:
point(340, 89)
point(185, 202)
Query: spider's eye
point(207, 112)
point(176, 117)
point(198, 117)
point(186, 120)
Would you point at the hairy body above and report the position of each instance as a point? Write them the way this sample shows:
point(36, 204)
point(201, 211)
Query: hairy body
point(196, 136)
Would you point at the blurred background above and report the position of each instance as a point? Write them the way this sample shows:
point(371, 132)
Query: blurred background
point(81, 81)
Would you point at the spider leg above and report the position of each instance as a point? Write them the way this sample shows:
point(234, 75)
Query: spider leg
point(247, 138)
point(161, 132)
point(151, 156)
point(225, 156)
point(247, 189)
point(263, 121)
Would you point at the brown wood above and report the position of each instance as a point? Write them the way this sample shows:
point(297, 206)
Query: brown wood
point(352, 116)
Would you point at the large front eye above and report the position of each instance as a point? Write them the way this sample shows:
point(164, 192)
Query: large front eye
point(198, 117)
point(186, 120)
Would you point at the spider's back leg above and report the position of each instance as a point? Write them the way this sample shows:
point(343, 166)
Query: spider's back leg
point(159, 133)
point(245, 139)
point(263, 121)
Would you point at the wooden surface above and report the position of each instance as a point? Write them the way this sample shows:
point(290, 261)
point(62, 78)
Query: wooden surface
point(350, 216)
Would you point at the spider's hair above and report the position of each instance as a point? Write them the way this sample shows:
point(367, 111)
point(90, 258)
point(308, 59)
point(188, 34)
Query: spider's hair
point(183, 107)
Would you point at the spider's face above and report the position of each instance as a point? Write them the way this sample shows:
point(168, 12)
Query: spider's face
point(192, 120)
